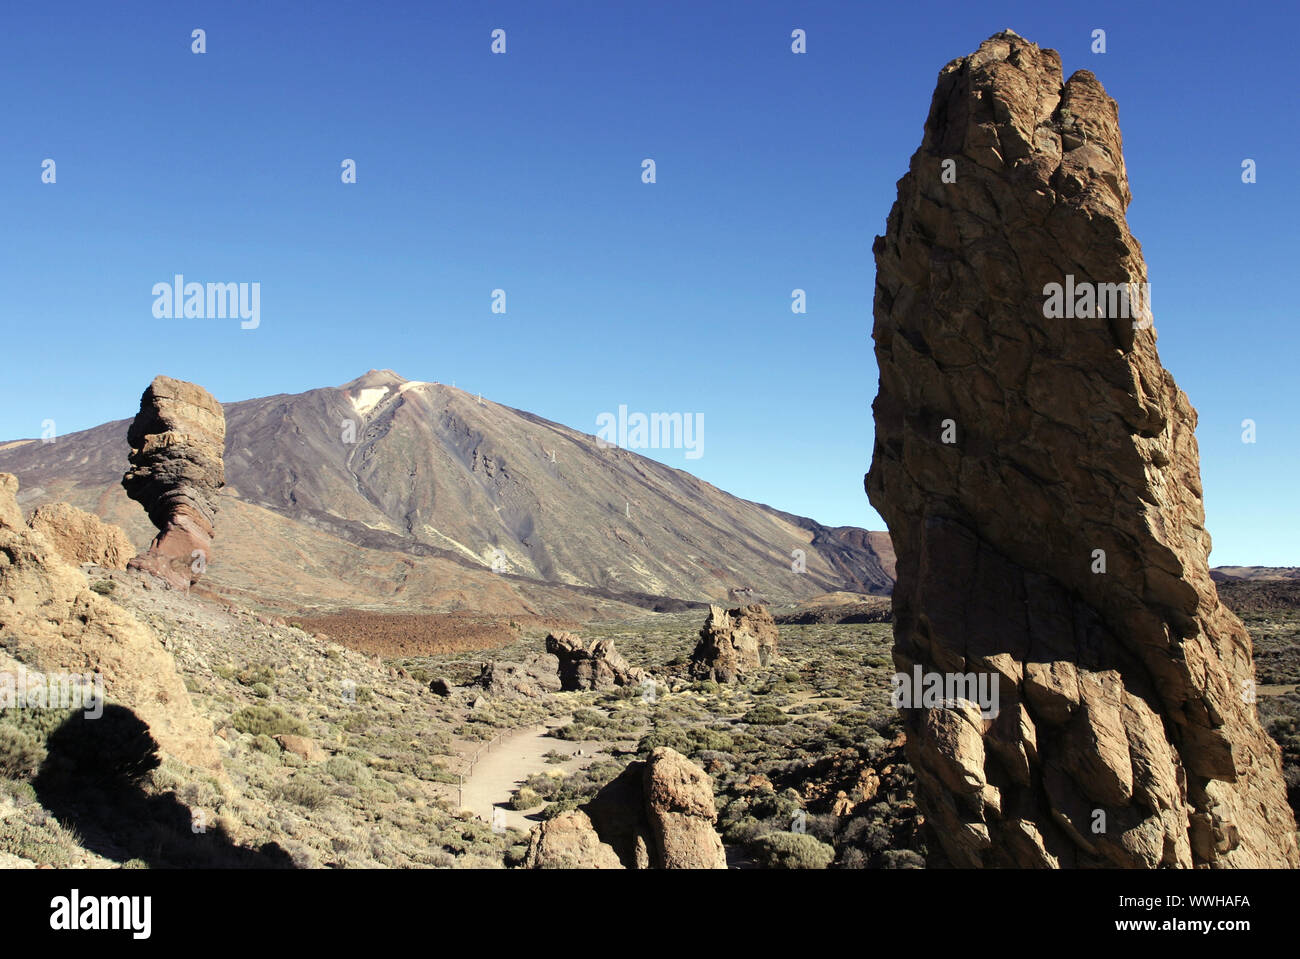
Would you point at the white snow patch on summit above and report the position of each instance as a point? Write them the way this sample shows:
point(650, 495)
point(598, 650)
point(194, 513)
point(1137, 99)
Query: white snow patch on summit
point(365, 401)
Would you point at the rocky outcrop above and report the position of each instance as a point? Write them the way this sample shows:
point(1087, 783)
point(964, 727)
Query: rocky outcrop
point(177, 444)
point(659, 814)
point(600, 667)
point(1038, 470)
point(734, 642)
point(81, 537)
point(568, 842)
point(536, 676)
point(51, 622)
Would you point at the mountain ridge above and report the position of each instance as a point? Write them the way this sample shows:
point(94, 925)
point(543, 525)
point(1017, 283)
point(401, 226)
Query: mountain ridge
point(425, 470)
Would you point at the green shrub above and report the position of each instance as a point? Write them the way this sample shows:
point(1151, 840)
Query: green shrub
point(271, 720)
point(347, 770)
point(791, 850)
point(21, 753)
point(307, 794)
point(524, 798)
point(261, 691)
point(252, 675)
point(104, 587)
point(765, 715)
point(901, 859)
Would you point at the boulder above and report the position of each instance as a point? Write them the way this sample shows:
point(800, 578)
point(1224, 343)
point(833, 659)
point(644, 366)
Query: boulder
point(568, 842)
point(177, 445)
point(600, 667)
point(51, 622)
point(81, 537)
point(659, 814)
point(440, 686)
point(302, 747)
point(535, 676)
point(1038, 470)
point(734, 642)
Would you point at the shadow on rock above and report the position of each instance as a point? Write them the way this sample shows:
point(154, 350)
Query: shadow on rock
point(92, 782)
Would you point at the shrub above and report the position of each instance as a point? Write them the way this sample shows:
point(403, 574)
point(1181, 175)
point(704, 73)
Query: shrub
point(104, 587)
point(252, 675)
point(765, 715)
point(901, 859)
point(524, 798)
point(21, 753)
point(261, 691)
point(791, 850)
point(309, 795)
point(672, 736)
point(271, 720)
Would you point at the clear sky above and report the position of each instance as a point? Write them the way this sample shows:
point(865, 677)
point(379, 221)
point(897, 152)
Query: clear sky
point(523, 172)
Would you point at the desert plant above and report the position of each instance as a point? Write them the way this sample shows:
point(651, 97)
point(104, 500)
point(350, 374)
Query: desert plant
point(271, 720)
point(791, 850)
point(524, 798)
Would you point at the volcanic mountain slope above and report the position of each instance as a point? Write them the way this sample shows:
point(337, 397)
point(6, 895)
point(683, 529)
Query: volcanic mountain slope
point(445, 491)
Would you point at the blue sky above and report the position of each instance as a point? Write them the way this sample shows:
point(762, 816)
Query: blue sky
point(523, 172)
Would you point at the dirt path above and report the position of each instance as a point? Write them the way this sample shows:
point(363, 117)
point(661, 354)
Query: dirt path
point(501, 769)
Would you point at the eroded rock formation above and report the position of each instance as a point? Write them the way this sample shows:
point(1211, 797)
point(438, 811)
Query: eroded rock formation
point(734, 642)
point(82, 537)
point(659, 814)
point(177, 444)
point(52, 623)
point(600, 667)
point(536, 676)
point(568, 842)
point(1039, 475)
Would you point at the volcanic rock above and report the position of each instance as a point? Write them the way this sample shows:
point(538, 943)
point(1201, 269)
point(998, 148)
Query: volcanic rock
point(734, 642)
point(177, 443)
point(51, 622)
point(659, 814)
point(568, 842)
point(1040, 479)
point(535, 676)
point(600, 667)
point(81, 537)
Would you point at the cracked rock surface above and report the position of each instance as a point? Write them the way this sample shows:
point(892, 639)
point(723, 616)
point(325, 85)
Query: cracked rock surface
point(1041, 482)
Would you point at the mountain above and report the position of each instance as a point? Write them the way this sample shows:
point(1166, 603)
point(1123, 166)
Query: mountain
point(388, 492)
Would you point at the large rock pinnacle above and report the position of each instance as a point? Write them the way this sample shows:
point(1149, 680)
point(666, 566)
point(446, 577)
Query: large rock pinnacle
point(1038, 470)
point(177, 444)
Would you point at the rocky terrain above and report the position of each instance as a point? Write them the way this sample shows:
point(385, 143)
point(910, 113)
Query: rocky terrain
point(1040, 479)
point(383, 625)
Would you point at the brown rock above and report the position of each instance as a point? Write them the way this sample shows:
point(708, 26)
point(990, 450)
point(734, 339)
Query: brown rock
point(535, 676)
point(301, 746)
point(82, 537)
point(568, 842)
point(177, 446)
point(599, 667)
point(659, 814)
point(734, 642)
point(51, 622)
point(679, 803)
point(10, 514)
point(1016, 450)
